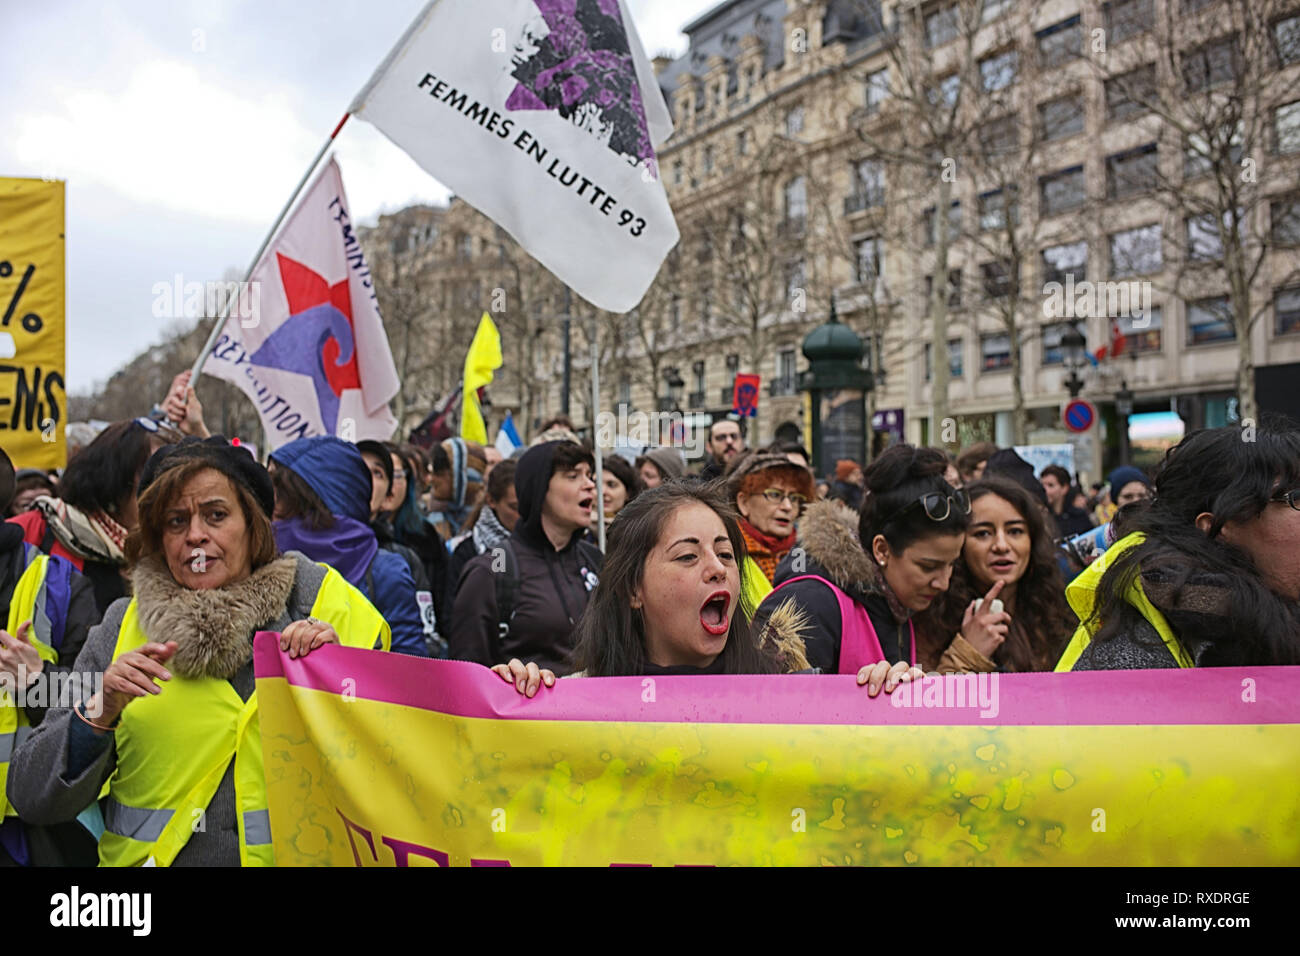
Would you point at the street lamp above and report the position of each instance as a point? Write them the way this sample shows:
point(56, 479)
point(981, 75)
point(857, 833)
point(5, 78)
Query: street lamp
point(1073, 352)
point(1124, 408)
point(673, 400)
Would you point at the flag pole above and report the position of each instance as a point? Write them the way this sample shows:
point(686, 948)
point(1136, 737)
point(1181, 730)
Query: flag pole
point(595, 437)
point(220, 322)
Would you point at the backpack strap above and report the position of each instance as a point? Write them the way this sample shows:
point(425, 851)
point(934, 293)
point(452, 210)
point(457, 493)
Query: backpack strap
point(506, 584)
point(370, 580)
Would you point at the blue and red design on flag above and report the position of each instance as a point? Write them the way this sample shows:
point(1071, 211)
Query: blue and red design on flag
point(744, 397)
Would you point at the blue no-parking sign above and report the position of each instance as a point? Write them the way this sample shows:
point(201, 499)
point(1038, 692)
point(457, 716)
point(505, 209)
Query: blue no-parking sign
point(1079, 415)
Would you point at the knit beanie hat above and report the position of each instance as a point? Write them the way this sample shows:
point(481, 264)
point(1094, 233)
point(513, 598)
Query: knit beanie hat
point(845, 467)
point(668, 460)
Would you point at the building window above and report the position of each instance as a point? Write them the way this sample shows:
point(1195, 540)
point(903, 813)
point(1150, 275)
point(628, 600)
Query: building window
point(675, 312)
point(995, 352)
point(930, 234)
point(955, 369)
point(1286, 128)
point(877, 89)
point(1062, 262)
point(677, 173)
point(1129, 93)
point(785, 373)
point(1063, 190)
point(1284, 215)
point(1000, 136)
point(954, 289)
point(1052, 354)
point(1205, 237)
point(1286, 310)
point(795, 281)
point(624, 391)
point(868, 184)
point(1128, 18)
point(1135, 252)
point(996, 205)
point(1060, 43)
point(708, 160)
point(869, 261)
point(742, 143)
point(999, 71)
point(697, 375)
point(1132, 173)
point(794, 121)
point(1141, 333)
point(1210, 320)
point(1061, 117)
point(1210, 65)
point(1286, 40)
point(464, 246)
point(1200, 154)
point(942, 24)
point(994, 9)
point(996, 279)
point(796, 203)
point(706, 307)
point(945, 93)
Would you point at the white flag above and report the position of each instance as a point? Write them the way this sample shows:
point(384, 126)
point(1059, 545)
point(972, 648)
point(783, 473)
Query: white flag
point(313, 357)
point(544, 115)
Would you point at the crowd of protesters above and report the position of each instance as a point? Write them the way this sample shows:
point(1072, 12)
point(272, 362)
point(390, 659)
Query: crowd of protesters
point(149, 563)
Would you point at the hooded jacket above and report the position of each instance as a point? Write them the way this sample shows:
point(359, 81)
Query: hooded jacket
point(552, 589)
point(828, 547)
point(335, 470)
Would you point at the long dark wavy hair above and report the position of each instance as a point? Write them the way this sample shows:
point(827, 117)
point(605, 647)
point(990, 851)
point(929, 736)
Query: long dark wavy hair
point(611, 634)
point(1231, 475)
point(1043, 621)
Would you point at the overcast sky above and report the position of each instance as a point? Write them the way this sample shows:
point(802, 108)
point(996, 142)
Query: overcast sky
point(182, 125)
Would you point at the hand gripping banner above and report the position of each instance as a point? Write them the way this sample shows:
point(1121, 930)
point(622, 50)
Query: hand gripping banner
point(379, 760)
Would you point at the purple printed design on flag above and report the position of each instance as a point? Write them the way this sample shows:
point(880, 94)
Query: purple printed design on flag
point(575, 59)
point(317, 339)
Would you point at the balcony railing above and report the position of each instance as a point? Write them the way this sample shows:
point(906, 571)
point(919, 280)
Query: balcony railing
point(781, 386)
point(695, 400)
point(792, 228)
point(727, 394)
point(860, 202)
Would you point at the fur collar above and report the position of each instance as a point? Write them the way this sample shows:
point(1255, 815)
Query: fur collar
point(213, 628)
point(828, 532)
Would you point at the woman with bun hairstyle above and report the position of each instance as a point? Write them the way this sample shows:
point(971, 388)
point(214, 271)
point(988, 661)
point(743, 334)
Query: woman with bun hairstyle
point(862, 578)
point(1005, 609)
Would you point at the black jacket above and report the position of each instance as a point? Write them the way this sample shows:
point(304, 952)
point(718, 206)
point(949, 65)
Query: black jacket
point(1072, 521)
point(828, 548)
point(552, 588)
point(67, 844)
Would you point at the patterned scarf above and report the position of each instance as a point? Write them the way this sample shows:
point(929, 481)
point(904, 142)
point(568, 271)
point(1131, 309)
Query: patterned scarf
point(488, 531)
point(766, 550)
point(91, 537)
point(901, 614)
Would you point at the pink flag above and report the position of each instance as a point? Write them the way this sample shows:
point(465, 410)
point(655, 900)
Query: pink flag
point(312, 354)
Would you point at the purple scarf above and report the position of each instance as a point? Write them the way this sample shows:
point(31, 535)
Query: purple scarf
point(348, 547)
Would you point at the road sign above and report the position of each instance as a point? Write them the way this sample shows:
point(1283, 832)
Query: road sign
point(1079, 415)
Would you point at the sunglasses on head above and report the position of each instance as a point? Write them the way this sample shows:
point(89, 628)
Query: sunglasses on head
point(937, 505)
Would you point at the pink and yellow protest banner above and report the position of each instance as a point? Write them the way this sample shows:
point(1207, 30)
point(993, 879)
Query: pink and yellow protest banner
point(379, 760)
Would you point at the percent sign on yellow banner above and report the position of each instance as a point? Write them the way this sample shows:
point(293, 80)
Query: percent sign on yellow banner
point(33, 405)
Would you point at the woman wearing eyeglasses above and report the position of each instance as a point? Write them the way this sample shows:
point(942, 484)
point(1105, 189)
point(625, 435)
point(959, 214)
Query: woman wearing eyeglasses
point(769, 492)
point(862, 578)
point(1208, 572)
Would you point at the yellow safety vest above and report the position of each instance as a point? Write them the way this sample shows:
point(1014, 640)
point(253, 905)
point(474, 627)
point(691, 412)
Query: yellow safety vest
point(1082, 594)
point(754, 586)
point(173, 748)
point(27, 604)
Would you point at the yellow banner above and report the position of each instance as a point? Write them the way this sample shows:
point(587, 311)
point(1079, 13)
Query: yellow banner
point(408, 775)
point(33, 403)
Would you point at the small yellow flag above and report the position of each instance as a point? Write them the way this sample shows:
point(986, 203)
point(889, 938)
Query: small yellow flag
point(483, 359)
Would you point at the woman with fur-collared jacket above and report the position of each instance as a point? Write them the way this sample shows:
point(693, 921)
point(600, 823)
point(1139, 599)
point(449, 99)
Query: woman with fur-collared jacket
point(174, 731)
point(862, 578)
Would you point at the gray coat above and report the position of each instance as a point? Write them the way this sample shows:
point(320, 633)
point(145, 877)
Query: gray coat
point(39, 785)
